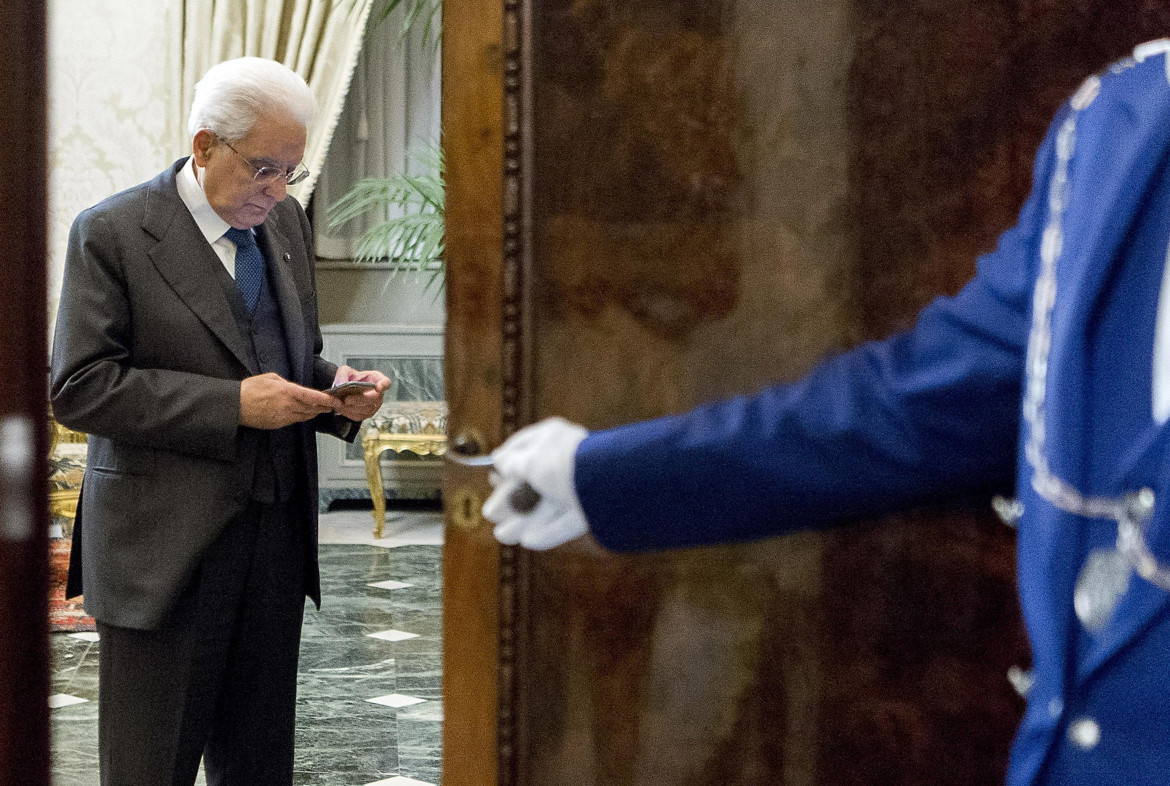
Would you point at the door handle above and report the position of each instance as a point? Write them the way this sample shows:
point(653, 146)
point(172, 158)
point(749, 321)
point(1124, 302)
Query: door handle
point(465, 452)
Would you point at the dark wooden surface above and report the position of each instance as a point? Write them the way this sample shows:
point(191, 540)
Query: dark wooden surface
point(696, 233)
point(722, 193)
point(24, 588)
point(949, 101)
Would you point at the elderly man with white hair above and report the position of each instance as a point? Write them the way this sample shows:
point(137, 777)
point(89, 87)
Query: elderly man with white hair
point(187, 347)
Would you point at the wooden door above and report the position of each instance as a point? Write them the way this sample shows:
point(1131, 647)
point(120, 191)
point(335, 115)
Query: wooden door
point(660, 202)
point(24, 526)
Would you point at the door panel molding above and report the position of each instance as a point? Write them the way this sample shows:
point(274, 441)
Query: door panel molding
point(516, 382)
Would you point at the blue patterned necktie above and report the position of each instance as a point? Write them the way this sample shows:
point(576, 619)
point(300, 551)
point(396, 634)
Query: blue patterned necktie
point(249, 265)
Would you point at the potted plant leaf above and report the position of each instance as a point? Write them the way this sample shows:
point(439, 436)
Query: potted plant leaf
point(410, 235)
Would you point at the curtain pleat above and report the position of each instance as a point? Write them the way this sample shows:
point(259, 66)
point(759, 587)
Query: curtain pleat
point(319, 39)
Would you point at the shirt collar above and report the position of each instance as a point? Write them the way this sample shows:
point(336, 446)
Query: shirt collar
point(208, 221)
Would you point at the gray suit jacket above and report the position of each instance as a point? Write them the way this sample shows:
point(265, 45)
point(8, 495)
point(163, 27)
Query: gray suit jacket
point(147, 360)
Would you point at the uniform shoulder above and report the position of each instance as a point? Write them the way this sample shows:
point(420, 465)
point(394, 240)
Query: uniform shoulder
point(1130, 78)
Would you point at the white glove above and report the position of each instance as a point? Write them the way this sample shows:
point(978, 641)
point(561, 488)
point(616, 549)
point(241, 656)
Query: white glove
point(544, 456)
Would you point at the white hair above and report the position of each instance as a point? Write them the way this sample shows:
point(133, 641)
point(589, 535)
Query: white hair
point(232, 96)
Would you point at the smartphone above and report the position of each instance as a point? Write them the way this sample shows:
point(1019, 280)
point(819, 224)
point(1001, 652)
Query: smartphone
point(348, 388)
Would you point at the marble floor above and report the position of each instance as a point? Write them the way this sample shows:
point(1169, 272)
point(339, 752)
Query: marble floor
point(369, 703)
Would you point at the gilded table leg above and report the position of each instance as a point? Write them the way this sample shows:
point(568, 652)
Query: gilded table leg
point(373, 450)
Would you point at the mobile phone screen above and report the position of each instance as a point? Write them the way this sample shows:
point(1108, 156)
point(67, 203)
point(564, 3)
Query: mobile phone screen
point(346, 388)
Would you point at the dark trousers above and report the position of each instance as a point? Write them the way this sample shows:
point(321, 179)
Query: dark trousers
point(218, 680)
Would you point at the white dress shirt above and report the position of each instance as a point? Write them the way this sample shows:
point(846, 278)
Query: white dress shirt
point(210, 224)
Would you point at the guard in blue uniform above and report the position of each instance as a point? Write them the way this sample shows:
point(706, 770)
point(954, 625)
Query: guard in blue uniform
point(1052, 367)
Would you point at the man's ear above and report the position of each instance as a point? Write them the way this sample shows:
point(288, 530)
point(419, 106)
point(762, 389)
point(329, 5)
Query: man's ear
point(201, 146)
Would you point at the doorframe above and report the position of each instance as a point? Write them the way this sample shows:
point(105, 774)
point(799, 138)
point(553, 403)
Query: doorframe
point(24, 517)
point(478, 749)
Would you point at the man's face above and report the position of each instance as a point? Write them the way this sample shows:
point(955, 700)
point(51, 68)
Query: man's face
point(277, 140)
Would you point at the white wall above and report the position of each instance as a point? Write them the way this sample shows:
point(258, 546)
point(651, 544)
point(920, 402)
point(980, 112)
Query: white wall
point(113, 105)
point(349, 295)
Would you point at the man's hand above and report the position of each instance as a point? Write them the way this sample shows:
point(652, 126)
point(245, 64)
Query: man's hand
point(269, 401)
point(359, 405)
point(544, 456)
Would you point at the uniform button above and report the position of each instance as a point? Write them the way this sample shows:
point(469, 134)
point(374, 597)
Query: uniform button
point(1021, 680)
point(1144, 502)
point(1084, 733)
point(1055, 707)
point(1008, 510)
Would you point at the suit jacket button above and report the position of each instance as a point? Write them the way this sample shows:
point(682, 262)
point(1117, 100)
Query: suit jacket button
point(1084, 733)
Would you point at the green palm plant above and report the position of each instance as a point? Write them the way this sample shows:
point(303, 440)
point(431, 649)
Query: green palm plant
point(426, 12)
point(410, 235)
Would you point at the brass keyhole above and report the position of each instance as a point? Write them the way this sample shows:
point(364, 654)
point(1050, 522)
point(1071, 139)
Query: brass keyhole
point(466, 507)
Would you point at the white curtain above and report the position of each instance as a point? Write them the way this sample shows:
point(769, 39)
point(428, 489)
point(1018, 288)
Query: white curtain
point(319, 39)
point(390, 114)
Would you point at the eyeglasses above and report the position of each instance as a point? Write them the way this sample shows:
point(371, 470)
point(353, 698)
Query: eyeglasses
point(267, 175)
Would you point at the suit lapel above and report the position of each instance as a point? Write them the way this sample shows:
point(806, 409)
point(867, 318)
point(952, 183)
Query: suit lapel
point(1147, 465)
point(1137, 610)
point(1119, 151)
point(273, 243)
point(1128, 142)
point(1102, 184)
point(187, 262)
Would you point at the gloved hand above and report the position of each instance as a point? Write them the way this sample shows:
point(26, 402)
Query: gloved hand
point(543, 455)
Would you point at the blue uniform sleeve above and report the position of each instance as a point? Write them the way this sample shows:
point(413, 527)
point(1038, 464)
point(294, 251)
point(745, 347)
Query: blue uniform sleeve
point(928, 413)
